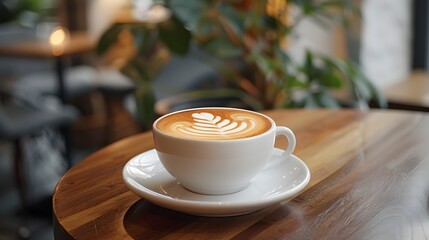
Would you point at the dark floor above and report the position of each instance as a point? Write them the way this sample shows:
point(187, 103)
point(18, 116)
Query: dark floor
point(44, 167)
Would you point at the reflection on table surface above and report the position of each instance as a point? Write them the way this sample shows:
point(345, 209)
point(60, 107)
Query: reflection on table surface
point(369, 181)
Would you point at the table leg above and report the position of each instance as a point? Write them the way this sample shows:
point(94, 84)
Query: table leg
point(59, 68)
point(65, 131)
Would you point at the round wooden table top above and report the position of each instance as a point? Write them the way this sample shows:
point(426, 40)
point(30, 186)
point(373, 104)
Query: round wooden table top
point(369, 180)
point(79, 42)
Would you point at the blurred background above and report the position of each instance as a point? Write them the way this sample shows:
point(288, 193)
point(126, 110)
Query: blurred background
point(76, 75)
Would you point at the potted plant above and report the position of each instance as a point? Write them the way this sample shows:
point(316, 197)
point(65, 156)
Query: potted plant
point(254, 33)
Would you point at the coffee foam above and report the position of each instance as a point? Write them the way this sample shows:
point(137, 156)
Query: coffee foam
point(214, 124)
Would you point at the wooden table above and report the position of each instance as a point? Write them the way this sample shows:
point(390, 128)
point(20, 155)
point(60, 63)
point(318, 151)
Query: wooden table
point(370, 180)
point(411, 93)
point(79, 42)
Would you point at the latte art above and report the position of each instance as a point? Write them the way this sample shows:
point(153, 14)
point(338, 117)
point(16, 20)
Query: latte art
point(214, 124)
point(206, 124)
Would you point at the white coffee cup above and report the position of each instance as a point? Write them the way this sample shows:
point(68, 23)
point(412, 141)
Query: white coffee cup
point(216, 167)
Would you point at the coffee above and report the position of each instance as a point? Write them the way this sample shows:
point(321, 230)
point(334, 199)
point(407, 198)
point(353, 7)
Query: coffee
point(214, 124)
point(217, 150)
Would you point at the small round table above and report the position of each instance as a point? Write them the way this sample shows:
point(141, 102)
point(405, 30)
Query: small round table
point(79, 42)
point(369, 179)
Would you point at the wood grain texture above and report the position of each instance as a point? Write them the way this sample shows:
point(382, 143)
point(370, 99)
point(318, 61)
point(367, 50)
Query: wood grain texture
point(370, 180)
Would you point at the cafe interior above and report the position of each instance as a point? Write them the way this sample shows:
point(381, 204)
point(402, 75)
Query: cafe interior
point(79, 75)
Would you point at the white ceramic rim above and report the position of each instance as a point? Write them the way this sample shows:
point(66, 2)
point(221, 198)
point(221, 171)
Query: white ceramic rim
point(272, 128)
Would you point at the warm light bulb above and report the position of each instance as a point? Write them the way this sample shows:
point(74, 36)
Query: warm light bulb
point(58, 36)
point(57, 40)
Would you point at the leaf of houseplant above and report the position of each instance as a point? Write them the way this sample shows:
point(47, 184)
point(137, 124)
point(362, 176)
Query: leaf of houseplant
point(377, 96)
point(189, 12)
point(374, 92)
point(145, 102)
point(109, 37)
point(330, 79)
point(292, 82)
point(175, 36)
point(142, 70)
point(325, 99)
point(363, 88)
point(281, 55)
point(360, 88)
point(235, 20)
point(137, 71)
point(310, 102)
point(144, 38)
point(264, 63)
point(309, 68)
point(222, 48)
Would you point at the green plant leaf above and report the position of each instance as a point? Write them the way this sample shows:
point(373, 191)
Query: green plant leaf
point(265, 63)
point(330, 79)
point(189, 11)
point(145, 102)
point(109, 37)
point(234, 19)
point(378, 97)
point(333, 3)
point(144, 39)
point(324, 12)
point(270, 22)
point(281, 55)
point(204, 28)
point(363, 88)
point(136, 71)
point(292, 82)
point(310, 102)
point(222, 48)
point(374, 92)
point(175, 36)
point(309, 68)
point(30, 5)
point(326, 100)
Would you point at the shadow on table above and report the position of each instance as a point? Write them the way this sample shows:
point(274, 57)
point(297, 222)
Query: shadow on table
point(147, 221)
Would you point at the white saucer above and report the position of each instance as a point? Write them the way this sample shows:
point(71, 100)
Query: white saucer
point(280, 180)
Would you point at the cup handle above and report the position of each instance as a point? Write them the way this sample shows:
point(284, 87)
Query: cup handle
point(281, 130)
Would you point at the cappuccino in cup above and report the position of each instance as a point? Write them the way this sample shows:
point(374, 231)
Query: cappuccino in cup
point(217, 150)
point(214, 124)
